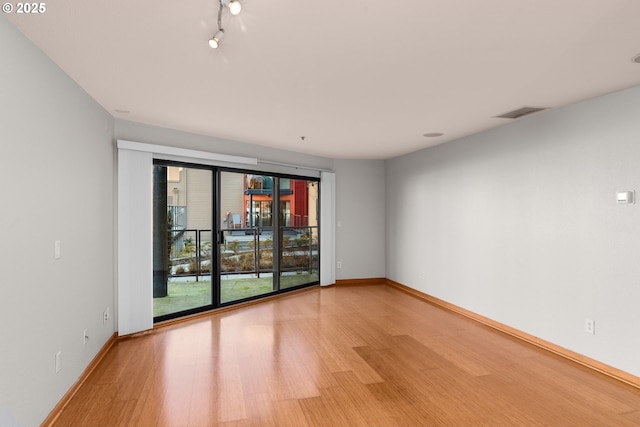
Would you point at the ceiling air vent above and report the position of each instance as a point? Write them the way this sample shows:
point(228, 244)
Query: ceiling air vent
point(520, 112)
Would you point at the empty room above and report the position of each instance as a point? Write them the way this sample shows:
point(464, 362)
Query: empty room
point(320, 213)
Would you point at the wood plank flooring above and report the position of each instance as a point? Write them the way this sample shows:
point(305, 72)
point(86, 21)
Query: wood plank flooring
point(342, 356)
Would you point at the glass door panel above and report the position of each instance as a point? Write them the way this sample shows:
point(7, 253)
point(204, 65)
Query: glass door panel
point(299, 230)
point(182, 240)
point(246, 243)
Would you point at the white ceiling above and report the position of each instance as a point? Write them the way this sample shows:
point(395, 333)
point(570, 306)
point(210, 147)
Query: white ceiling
point(357, 78)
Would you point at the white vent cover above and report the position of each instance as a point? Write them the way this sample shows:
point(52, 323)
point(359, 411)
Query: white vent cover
point(520, 112)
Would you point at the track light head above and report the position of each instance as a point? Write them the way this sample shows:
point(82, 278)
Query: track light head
point(234, 6)
point(214, 41)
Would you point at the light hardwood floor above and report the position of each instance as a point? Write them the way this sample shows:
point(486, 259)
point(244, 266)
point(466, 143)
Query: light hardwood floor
point(343, 356)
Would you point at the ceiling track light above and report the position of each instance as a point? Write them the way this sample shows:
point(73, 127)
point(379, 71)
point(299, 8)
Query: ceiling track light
point(234, 7)
point(214, 41)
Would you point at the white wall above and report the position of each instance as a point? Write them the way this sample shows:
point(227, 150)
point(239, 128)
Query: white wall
point(162, 136)
point(56, 165)
point(360, 218)
point(520, 224)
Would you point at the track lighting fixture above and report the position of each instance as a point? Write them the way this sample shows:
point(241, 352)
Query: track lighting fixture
point(234, 7)
point(214, 41)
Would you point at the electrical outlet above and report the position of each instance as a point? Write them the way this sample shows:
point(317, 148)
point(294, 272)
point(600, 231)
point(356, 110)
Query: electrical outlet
point(105, 316)
point(58, 361)
point(85, 336)
point(590, 326)
point(339, 264)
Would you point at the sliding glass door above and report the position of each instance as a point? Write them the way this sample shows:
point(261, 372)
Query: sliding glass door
point(246, 246)
point(219, 238)
point(299, 232)
point(182, 255)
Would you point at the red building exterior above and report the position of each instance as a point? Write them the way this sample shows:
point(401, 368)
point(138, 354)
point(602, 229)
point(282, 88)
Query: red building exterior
point(258, 199)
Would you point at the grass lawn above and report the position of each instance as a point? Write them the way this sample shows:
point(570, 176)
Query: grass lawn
point(184, 295)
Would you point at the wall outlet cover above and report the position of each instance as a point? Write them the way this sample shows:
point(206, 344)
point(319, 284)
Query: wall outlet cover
point(590, 326)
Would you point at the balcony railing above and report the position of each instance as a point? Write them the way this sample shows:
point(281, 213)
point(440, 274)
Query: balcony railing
point(178, 217)
point(243, 251)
